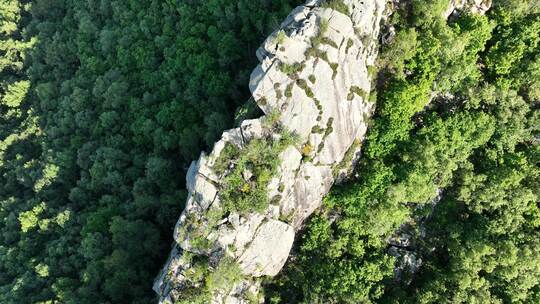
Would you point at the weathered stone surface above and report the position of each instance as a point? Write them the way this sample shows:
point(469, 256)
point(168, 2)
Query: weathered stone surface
point(280, 187)
point(269, 249)
point(240, 233)
point(474, 6)
point(318, 82)
point(312, 184)
point(202, 189)
point(251, 129)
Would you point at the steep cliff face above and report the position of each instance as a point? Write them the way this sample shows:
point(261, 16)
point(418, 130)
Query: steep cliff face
point(252, 192)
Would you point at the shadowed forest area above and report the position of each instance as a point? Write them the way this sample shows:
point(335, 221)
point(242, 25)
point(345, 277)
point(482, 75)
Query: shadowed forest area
point(103, 106)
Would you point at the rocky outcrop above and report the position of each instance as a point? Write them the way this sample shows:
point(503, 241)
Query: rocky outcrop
point(253, 191)
point(474, 6)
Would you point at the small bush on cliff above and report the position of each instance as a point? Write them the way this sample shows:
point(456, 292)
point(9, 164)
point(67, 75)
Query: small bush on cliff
point(291, 69)
point(103, 106)
point(203, 281)
point(337, 5)
point(280, 38)
point(226, 274)
point(244, 187)
point(230, 151)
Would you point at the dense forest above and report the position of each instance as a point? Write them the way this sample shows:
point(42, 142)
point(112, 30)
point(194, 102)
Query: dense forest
point(103, 105)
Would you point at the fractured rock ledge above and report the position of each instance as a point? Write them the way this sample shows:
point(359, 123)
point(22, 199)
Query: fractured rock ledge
point(312, 82)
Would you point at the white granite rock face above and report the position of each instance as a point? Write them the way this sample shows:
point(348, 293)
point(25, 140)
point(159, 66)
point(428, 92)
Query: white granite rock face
point(313, 71)
point(257, 260)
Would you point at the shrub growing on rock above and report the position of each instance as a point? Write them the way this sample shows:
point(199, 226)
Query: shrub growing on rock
point(244, 187)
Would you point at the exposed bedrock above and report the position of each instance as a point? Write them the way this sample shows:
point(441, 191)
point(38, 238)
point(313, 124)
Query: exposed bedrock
point(473, 6)
point(313, 84)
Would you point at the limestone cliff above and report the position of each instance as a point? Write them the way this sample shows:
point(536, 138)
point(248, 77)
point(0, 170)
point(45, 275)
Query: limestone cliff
point(252, 192)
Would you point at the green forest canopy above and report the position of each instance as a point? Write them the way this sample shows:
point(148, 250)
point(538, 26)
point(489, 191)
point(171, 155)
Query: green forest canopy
point(104, 104)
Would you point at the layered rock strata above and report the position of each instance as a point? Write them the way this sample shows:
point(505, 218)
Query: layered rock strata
point(313, 84)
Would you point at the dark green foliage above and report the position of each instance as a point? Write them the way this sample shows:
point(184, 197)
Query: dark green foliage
point(334, 66)
point(318, 39)
point(229, 152)
point(314, 52)
point(317, 129)
point(358, 91)
point(206, 280)
point(329, 129)
point(330, 42)
point(103, 106)
point(350, 43)
point(348, 158)
point(226, 274)
point(277, 90)
point(486, 227)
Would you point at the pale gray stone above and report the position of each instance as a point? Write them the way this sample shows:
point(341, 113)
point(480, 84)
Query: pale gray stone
point(242, 234)
point(251, 129)
point(269, 249)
